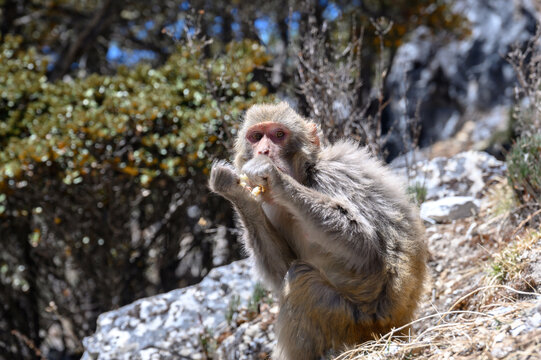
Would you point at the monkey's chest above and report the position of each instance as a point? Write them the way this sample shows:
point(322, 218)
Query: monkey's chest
point(291, 229)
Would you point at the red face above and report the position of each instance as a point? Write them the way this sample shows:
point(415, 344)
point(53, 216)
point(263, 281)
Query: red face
point(269, 139)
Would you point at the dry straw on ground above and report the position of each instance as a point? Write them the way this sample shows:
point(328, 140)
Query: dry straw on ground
point(459, 334)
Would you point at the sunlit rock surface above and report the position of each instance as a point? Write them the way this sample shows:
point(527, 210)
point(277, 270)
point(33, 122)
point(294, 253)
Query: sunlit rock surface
point(449, 208)
point(438, 79)
point(465, 174)
point(174, 325)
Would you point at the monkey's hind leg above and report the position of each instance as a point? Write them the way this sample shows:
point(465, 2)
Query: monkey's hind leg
point(314, 317)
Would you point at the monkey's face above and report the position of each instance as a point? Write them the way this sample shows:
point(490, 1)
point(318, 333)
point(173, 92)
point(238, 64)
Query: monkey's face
point(271, 139)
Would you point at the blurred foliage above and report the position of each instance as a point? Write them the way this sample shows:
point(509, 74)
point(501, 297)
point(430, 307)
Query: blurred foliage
point(75, 35)
point(524, 168)
point(103, 182)
point(526, 61)
point(143, 122)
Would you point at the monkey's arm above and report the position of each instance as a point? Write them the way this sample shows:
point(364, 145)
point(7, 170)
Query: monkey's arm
point(271, 253)
point(336, 216)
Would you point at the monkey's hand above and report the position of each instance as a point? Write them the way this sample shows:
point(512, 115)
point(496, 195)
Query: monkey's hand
point(223, 179)
point(261, 172)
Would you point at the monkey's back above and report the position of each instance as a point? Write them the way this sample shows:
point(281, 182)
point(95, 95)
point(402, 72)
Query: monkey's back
point(384, 264)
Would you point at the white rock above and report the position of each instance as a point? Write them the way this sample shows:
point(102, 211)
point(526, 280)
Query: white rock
point(170, 323)
point(449, 208)
point(465, 174)
point(535, 320)
point(518, 330)
point(499, 338)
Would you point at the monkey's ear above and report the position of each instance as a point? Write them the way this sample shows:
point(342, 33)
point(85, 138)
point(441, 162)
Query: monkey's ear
point(313, 134)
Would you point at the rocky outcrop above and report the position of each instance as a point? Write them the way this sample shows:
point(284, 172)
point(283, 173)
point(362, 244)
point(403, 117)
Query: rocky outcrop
point(180, 324)
point(251, 340)
point(440, 78)
point(449, 208)
point(465, 174)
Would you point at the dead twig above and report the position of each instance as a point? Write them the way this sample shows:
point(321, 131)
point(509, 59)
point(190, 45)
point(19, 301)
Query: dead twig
point(29, 343)
point(525, 221)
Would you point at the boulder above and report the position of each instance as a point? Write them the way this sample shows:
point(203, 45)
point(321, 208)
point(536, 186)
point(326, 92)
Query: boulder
point(174, 325)
point(465, 174)
point(438, 79)
point(449, 208)
point(251, 340)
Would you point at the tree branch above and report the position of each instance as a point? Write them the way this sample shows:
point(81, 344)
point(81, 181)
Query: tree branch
point(98, 24)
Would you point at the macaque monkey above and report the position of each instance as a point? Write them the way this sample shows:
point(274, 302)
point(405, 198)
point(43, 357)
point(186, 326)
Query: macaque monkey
point(331, 232)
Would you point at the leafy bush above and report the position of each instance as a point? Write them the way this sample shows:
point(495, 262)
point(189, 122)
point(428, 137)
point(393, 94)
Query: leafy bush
point(524, 168)
point(103, 195)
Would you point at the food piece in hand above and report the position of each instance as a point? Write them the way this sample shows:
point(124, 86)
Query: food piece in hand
point(243, 180)
point(255, 191)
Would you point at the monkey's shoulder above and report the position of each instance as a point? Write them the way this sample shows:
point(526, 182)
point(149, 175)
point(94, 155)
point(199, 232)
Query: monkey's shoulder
point(348, 157)
point(347, 164)
point(347, 151)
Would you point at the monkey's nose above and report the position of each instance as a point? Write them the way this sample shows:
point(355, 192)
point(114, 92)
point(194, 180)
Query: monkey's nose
point(264, 152)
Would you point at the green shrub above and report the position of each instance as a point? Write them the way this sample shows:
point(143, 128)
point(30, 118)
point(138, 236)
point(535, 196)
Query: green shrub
point(259, 296)
point(103, 181)
point(524, 168)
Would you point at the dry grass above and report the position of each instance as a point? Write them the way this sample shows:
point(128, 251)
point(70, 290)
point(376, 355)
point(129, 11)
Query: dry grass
point(508, 264)
point(501, 199)
point(458, 334)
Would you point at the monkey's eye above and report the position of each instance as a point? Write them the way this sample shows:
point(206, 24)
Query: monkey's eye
point(255, 137)
point(280, 134)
